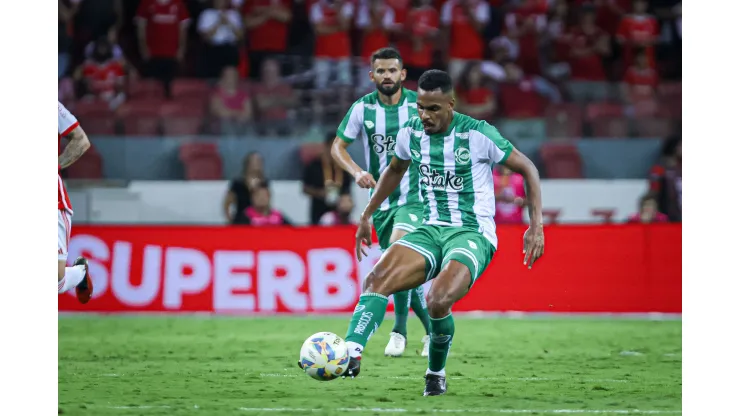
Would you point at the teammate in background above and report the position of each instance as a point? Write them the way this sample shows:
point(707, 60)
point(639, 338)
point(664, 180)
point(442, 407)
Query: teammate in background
point(76, 276)
point(451, 155)
point(376, 118)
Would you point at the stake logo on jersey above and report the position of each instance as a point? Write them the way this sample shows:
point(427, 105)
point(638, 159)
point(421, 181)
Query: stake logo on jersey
point(377, 125)
point(429, 177)
point(454, 171)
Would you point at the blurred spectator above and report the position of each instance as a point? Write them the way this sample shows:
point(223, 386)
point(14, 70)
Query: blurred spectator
point(261, 213)
point(510, 196)
point(503, 50)
point(474, 98)
point(588, 46)
point(267, 23)
point(239, 196)
point(375, 20)
point(638, 30)
point(641, 84)
point(556, 42)
point(101, 76)
point(648, 212)
point(666, 182)
point(331, 24)
point(525, 25)
point(341, 215)
point(464, 22)
point(324, 181)
point(67, 10)
point(421, 29)
point(96, 18)
point(231, 104)
point(524, 96)
point(162, 34)
point(273, 98)
point(401, 9)
point(221, 28)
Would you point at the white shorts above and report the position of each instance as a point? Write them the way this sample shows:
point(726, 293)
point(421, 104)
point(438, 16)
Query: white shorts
point(64, 229)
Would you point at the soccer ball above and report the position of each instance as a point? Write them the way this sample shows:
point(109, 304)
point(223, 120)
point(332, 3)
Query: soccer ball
point(324, 356)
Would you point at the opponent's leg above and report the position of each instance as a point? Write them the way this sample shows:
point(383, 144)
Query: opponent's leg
point(71, 277)
point(400, 268)
point(451, 285)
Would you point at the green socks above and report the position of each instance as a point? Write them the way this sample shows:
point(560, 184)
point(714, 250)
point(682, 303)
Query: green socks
point(419, 305)
point(441, 338)
point(366, 319)
point(401, 310)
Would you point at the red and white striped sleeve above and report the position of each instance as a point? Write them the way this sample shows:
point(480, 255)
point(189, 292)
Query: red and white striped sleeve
point(67, 122)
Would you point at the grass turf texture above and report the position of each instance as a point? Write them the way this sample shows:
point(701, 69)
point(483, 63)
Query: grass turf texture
point(247, 366)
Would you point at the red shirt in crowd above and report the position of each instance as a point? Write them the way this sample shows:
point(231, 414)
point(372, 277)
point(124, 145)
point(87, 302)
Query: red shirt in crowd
point(272, 35)
point(258, 219)
point(466, 42)
point(381, 21)
point(524, 27)
point(420, 23)
point(637, 30)
point(334, 45)
point(400, 10)
point(281, 90)
point(642, 82)
point(163, 21)
point(586, 67)
point(521, 100)
point(103, 77)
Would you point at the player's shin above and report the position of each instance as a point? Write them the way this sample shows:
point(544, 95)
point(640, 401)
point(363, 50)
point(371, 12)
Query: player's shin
point(419, 306)
point(366, 319)
point(72, 277)
point(443, 330)
point(401, 311)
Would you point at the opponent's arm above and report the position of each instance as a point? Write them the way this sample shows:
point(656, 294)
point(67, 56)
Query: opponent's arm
point(520, 163)
point(389, 181)
point(78, 144)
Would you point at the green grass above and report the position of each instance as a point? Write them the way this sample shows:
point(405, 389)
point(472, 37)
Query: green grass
point(219, 366)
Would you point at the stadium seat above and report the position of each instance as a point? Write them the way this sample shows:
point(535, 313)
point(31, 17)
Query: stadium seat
point(145, 88)
point(603, 109)
point(183, 117)
point(516, 103)
point(185, 88)
point(562, 161)
point(654, 127)
point(606, 215)
point(564, 121)
point(141, 117)
point(88, 166)
point(95, 117)
point(202, 161)
point(605, 127)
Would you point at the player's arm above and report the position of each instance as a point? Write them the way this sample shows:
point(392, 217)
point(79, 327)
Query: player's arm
point(78, 144)
point(388, 182)
point(521, 164)
point(347, 132)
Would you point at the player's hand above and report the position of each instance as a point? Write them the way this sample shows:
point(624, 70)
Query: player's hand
point(364, 180)
point(363, 236)
point(534, 245)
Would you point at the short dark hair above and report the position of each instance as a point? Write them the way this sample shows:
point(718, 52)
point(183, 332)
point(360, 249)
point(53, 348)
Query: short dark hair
point(434, 79)
point(386, 53)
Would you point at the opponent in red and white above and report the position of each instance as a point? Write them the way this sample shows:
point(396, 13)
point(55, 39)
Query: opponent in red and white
point(76, 276)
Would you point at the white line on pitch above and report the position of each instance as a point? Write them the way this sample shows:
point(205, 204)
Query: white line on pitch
point(587, 380)
point(470, 410)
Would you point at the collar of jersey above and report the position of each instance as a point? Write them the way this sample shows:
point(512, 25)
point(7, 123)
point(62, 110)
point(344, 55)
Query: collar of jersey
point(449, 129)
point(400, 101)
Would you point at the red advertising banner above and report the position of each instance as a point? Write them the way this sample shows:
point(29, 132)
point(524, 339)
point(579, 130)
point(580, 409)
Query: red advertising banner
point(595, 268)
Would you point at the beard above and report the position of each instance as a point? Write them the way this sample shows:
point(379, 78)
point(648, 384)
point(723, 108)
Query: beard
point(388, 89)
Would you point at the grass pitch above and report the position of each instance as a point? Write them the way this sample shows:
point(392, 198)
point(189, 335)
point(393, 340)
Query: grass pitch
point(154, 366)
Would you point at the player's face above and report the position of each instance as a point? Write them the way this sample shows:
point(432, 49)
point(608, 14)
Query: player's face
point(435, 110)
point(387, 75)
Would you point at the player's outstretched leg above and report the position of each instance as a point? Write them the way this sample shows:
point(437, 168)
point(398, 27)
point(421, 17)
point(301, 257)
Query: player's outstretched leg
point(76, 277)
point(419, 305)
point(451, 285)
point(397, 344)
point(400, 268)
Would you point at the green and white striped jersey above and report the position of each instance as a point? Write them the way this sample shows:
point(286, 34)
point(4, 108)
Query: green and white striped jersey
point(378, 125)
point(455, 171)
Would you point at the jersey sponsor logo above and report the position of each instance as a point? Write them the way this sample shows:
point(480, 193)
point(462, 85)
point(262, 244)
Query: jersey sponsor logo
point(416, 154)
point(365, 319)
point(382, 144)
point(439, 181)
point(472, 245)
point(463, 136)
point(462, 156)
point(359, 308)
point(369, 124)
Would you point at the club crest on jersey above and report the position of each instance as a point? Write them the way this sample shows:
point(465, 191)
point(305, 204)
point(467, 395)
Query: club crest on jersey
point(472, 245)
point(413, 217)
point(416, 154)
point(439, 181)
point(369, 124)
point(462, 156)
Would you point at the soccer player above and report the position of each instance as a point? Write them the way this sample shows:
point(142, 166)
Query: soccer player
point(451, 155)
point(376, 118)
point(76, 276)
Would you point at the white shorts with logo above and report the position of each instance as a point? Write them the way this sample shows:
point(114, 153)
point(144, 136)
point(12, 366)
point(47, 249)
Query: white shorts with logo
point(64, 228)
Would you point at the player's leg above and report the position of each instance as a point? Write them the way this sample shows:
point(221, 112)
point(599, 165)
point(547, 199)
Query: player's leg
point(407, 264)
point(466, 254)
point(71, 277)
